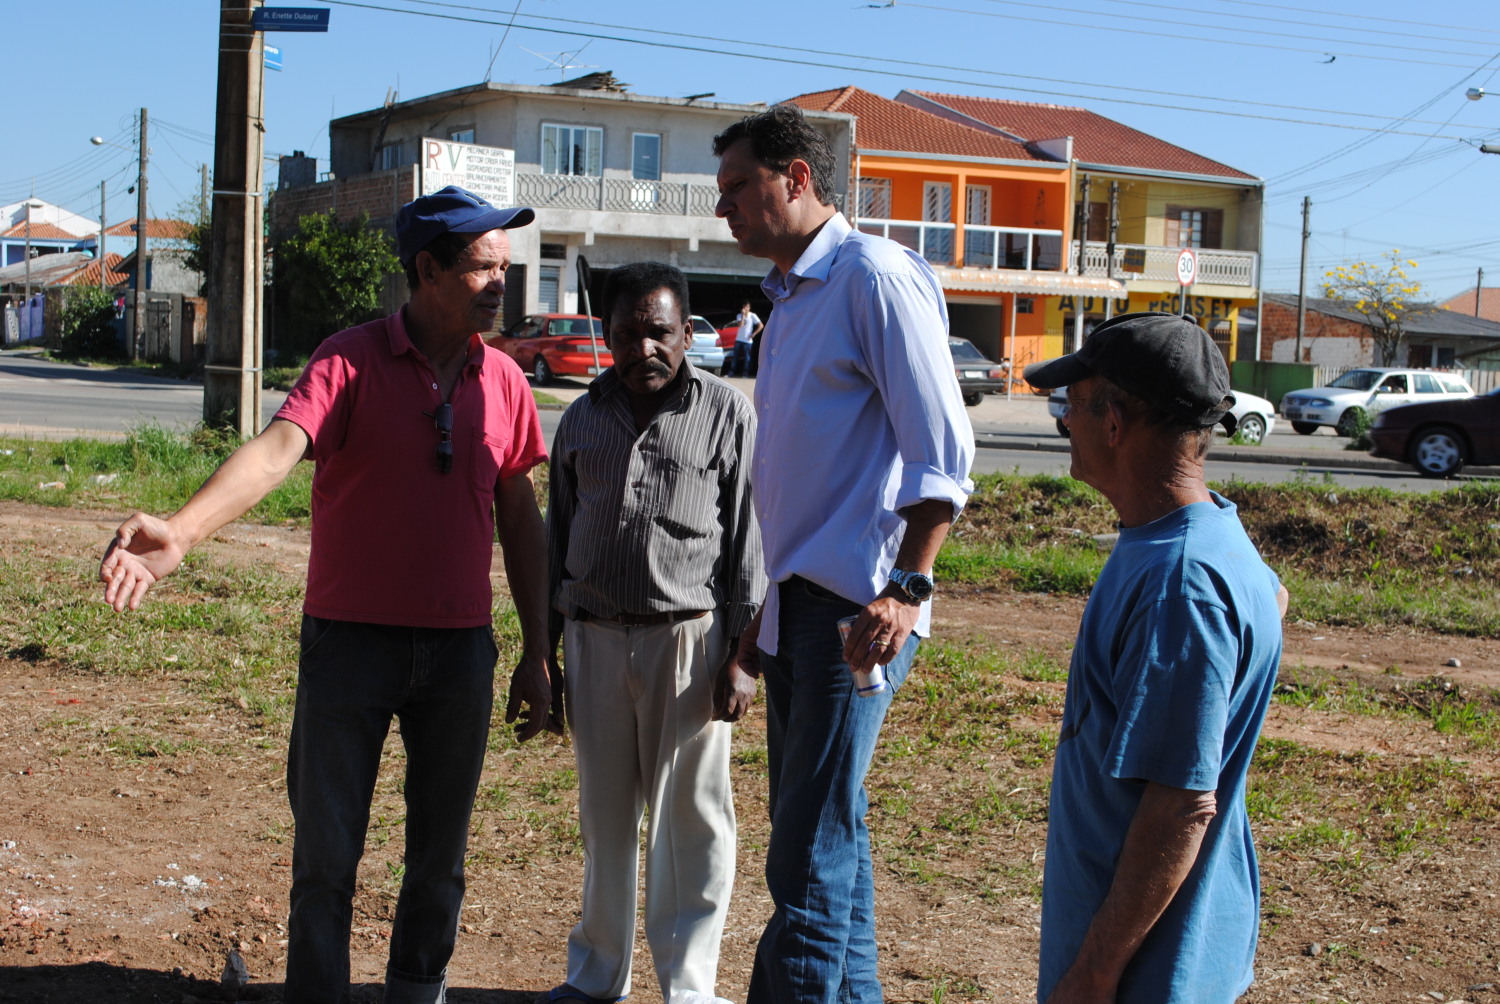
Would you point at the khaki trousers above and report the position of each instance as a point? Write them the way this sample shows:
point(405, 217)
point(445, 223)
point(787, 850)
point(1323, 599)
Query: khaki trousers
point(640, 700)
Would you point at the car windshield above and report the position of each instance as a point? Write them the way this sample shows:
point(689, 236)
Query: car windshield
point(702, 327)
point(1357, 380)
point(965, 350)
point(571, 325)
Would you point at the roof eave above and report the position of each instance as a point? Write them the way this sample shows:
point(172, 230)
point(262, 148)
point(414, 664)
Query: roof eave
point(1246, 181)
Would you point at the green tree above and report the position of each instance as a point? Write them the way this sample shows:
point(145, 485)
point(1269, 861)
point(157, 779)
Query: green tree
point(328, 276)
point(87, 327)
point(1384, 294)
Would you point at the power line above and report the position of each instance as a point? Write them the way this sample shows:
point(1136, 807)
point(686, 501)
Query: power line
point(1278, 20)
point(1363, 17)
point(1177, 23)
point(823, 64)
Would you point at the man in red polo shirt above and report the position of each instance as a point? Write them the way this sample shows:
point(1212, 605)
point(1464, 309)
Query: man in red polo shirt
point(423, 439)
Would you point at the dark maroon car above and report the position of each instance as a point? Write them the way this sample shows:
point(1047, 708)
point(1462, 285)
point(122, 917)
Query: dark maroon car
point(1439, 437)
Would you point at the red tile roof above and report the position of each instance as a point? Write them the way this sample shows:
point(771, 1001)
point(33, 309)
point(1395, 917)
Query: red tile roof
point(41, 231)
point(89, 274)
point(1096, 139)
point(889, 125)
point(1489, 303)
point(175, 230)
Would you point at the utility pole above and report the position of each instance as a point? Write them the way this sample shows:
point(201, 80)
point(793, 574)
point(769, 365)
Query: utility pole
point(232, 375)
point(138, 337)
point(29, 200)
point(1109, 250)
point(103, 279)
point(1302, 279)
point(1478, 290)
point(203, 194)
point(1083, 236)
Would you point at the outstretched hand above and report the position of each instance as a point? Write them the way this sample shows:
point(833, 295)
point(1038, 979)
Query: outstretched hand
point(144, 551)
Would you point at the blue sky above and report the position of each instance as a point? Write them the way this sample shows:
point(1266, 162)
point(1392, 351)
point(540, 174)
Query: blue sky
point(1359, 104)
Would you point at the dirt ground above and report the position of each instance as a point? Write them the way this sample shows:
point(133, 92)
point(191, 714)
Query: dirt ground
point(131, 878)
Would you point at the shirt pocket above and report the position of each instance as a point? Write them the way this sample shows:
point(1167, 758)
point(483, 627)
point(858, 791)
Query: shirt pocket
point(488, 459)
point(688, 506)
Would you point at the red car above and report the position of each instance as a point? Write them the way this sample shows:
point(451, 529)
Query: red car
point(548, 345)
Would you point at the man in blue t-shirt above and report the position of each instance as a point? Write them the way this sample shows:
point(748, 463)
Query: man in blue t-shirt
point(1150, 891)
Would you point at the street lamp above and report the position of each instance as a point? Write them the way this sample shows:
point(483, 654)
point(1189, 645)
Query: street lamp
point(137, 340)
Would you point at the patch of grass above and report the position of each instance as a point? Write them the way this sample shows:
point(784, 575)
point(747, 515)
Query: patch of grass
point(152, 469)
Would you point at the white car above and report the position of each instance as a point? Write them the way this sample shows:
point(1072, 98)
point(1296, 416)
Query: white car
point(1358, 393)
point(1254, 416)
point(704, 350)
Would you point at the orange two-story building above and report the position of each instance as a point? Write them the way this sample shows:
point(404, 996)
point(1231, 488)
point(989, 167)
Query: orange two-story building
point(993, 216)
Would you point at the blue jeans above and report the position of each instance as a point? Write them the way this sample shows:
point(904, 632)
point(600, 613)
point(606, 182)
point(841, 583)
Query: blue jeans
point(819, 945)
point(740, 364)
point(351, 680)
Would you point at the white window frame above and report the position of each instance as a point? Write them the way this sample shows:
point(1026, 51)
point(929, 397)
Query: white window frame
point(933, 193)
point(390, 155)
point(874, 199)
point(977, 197)
point(562, 137)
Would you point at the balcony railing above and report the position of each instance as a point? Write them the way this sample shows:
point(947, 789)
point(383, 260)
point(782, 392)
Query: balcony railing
point(619, 195)
point(1144, 261)
point(628, 195)
point(984, 247)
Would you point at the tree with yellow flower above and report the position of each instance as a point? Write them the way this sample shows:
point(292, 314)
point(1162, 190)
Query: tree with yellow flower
point(1384, 294)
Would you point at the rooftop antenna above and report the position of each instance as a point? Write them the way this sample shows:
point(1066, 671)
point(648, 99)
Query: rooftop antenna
point(562, 61)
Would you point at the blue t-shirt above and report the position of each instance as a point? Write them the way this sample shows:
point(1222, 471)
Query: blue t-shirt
point(1169, 682)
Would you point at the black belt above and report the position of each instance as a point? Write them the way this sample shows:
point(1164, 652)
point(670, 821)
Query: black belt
point(642, 620)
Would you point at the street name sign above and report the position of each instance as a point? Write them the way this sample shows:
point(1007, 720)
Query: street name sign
point(290, 19)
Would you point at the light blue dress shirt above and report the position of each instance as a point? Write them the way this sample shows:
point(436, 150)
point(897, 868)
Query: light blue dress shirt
point(860, 415)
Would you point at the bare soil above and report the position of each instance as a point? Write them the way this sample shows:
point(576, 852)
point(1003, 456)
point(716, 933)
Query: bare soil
point(130, 878)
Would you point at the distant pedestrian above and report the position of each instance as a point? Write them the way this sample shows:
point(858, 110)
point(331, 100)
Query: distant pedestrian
point(749, 329)
point(655, 573)
point(1150, 893)
point(861, 465)
point(423, 439)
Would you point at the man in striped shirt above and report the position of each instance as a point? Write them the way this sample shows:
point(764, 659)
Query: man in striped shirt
point(655, 566)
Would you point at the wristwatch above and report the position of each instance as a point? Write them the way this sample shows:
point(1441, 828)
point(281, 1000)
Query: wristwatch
point(915, 585)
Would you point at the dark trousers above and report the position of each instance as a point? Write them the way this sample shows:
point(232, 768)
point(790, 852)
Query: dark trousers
point(352, 680)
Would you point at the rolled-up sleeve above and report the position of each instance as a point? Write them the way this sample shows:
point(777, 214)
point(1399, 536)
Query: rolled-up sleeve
point(907, 350)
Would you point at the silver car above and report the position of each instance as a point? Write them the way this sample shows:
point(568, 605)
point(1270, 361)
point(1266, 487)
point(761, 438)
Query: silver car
point(1354, 396)
point(705, 351)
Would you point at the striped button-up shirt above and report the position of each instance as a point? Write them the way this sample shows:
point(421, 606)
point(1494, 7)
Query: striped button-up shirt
point(659, 520)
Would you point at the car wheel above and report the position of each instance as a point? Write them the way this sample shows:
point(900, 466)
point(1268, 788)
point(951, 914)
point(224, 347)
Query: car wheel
point(1251, 428)
point(1305, 428)
point(541, 372)
point(1437, 452)
point(1062, 429)
point(1349, 422)
point(972, 397)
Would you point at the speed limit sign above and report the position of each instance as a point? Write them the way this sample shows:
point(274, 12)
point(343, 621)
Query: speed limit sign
point(1187, 267)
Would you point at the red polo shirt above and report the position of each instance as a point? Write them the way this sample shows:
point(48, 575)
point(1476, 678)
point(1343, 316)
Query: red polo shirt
point(394, 540)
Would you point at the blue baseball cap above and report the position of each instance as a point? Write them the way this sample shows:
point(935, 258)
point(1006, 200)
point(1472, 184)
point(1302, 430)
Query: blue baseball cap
point(451, 210)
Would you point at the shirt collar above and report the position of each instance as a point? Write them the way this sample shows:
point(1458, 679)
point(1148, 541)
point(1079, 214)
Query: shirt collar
point(815, 262)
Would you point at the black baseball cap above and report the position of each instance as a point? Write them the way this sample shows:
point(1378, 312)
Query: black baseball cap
point(451, 210)
point(1163, 359)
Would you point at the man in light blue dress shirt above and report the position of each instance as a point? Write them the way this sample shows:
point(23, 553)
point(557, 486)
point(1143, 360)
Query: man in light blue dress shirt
point(861, 465)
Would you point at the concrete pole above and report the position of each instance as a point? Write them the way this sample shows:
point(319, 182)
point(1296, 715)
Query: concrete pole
point(138, 338)
point(1478, 290)
point(29, 200)
point(103, 279)
point(231, 379)
point(1302, 280)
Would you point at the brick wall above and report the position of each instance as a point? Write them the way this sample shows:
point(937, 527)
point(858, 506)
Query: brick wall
point(1325, 339)
point(378, 196)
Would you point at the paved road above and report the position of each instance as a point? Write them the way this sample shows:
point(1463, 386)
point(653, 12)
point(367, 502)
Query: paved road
point(52, 400)
point(49, 400)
